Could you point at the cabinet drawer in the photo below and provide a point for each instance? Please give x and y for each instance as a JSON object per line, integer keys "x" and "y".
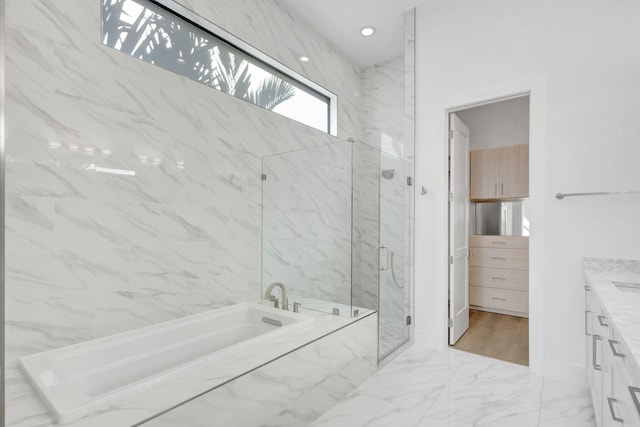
{"x": 499, "y": 242}
{"x": 499, "y": 258}
{"x": 621, "y": 356}
{"x": 515, "y": 280}
{"x": 501, "y": 299}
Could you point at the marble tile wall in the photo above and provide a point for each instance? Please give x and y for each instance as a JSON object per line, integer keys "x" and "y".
{"x": 366, "y": 206}
{"x": 307, "y": 222}
{"x": 291, "y": 391}
{"x": 320, "y": 223}
{"x": 91, "y": 254}
{"x": 409, "y": 153}
{"x": 385, "y": 127}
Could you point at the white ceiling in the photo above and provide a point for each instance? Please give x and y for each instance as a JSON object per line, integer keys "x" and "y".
{"x": 340, "y": 21}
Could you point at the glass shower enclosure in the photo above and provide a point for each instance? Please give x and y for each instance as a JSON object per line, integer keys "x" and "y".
{"x": 334, "y": 227}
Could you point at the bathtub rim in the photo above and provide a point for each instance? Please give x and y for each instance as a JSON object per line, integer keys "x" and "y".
{"x": 66, "y": 409}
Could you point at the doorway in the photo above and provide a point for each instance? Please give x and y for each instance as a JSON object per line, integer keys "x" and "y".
{"x": 489, "y": 229}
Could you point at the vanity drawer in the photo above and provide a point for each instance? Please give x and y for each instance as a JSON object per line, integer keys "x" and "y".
{"x": 499, "y": 242}
{"x": 501, "y": 299}
{"x": 620, "y": 354}
{"x": 515, "y": 280}
{"x": 499, "y": 258}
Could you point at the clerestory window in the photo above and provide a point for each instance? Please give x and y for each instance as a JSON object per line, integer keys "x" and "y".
{"x": 166, "y": 34}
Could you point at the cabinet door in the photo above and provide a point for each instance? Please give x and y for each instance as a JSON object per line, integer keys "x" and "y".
{"x": 618, "y": 406}
{"x": 599, "y": 362}
{"x": 485, "y": 174}
{"x": 514, "y": 171}
{"x": 588, "y": 332}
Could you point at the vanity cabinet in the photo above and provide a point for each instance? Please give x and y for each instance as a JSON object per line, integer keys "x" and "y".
{"x": 611, "y": 376}
{"x": 499, "y": 274}
{"x": 500, "y": 173}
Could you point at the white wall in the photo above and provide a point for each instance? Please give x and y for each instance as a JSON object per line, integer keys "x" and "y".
{"x": 498, "y": 124}
{"x": 581, "y": 61}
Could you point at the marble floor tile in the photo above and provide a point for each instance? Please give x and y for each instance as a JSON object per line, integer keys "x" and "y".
{"x": 427, "y": 388}
{"x": 504, "y": 379}
{"x": 461, "y": 405}
{"x": 365, "y": 410}
{"x": 568, "y": 400}
{"x": 551, "y": 419}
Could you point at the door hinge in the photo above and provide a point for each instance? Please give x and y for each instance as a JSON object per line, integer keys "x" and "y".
{"x": 450, "y": 197}
{"x": 451, "y": 323}
{"x": 408, "y": 320}
{"x": 451, "y": 134}
{"x": 264, "y": 176}
{"x": 450, "y": 259}
{"x": 409, "y": 181}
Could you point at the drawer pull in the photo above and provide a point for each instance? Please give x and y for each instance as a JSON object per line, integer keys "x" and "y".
{"x": 612, "y": 344}
{"x": 498, "y": 278}
{"x": 634, "y": 395}
{"x": 586, "y": 322}
{"x": 596, "y": 366}
{"x": 498, "y": 299}
{"x": 498, "y": 258}
{"x": 587, "y": 288}
{"x": 498, "y": 243}
{"x": 601, "y": 320}
{"x": 614, "y": 417}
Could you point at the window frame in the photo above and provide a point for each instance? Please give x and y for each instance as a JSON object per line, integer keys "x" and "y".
{"x": 270, "y": 64}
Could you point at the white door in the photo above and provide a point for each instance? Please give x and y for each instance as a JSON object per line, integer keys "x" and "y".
{"x": 458, "y": 229}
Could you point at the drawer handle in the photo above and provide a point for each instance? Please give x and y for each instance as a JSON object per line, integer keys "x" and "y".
{"x": 634, "y": 395}
{"x": 586, "y": 322}
{"x": 612, "y": 344}
{"x": 614, "y": 417}
{"x": 498, "y": 278}
{"x": 498, "y": 258}
{"x": 587, "y": 288}
{"x": 498, "y": 243}
{"x": 596, "y": 366}
{"x": 498, "y": 299}
{"x": 601, "y": 320}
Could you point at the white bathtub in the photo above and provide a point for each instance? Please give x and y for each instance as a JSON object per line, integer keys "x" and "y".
{"x": 83, "y": 378}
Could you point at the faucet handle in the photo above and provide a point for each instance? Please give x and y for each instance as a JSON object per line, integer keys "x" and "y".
{"x": 296, "y": 307}
{"x": 275, "y": 301}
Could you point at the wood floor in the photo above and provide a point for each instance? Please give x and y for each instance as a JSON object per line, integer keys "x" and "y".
{"x": 497, "y": 336}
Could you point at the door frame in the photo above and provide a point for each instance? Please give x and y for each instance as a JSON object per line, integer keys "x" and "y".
{"x": 536, "y": 90}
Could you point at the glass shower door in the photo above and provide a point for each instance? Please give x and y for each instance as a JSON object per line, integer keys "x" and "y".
{"x": 394, "y": 296}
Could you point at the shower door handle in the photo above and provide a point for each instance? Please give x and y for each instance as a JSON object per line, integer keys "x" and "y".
{"x": 380, "y": 249}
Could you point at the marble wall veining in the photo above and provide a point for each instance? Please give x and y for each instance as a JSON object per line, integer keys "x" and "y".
{"x": 174, "y": 228}
{"x": 366, "y": 225}
{"x": 291, "y": 391}
{"x": 2, "y": 204}
{"x": 384, "y": 105}
{"x": 306, "y": 214}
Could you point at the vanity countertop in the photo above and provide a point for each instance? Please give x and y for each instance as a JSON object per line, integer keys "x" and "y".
{"x": 622, "y": 306}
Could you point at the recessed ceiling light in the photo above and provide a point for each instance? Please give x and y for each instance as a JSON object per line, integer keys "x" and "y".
{"x": 304, "y": 59}
{"x": 368, "y": 31}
